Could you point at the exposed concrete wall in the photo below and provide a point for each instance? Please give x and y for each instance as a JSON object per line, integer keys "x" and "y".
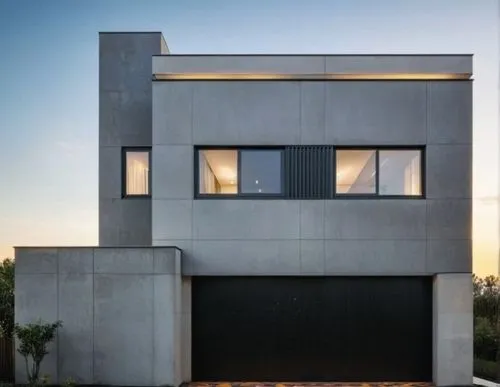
{"x": 122, "y": 309}
{"x": 124, "y": 121}
{"x": 322, "y": 237}
{"x": 313, "y": 64}
{"x": 453, "y": 327}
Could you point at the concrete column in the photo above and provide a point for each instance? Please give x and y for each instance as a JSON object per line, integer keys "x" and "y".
{"x": 186, "y": 329}
{"x": 168, "y": 319}
{"x": 453, "y": 330}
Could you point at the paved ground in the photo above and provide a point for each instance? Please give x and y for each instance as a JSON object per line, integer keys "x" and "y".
{"x": 257, "y": 384}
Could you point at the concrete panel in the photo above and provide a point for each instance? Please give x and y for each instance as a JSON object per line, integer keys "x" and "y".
{"x": 406, "y": 64}
{"x": 312, "y": 257}
{"x": 38, "y": 260}
{"x": 36, "y": 298}
{"x": 167, "y": 261}
{"x": 187, "y": 343}
{"x": 375, "y": 219}
{"x": 450, "y": 113}
{"x": 449, "y": 256}
{"x": 76, "y": 337}
{"x": 164, "y": 331}
{"x": 177, "y": 377}
{"x": 116, "y": 360}
{"x": 312, "y": 113}
{"x": 123, "y": 261}
{"x": 125, "y": 59}
{"x": 76, "y": 260}
{"x": 449, "y": 171}
{"x": 135, "y": 222}
{"x": 172, "y": 113}
{"x": 173, "y": 172}
{"x": 253, "y": 113}
{"x": 453, "y": 293}
{"x": 314, "y": 64}
{"x": 455, "y": 362}
{"x": 246, "y": 219}
{"x": 248, "y": 64}
{"x": 244, "y": 258}
{"x": 367, "y": 113}
{"x": 110, "y": 172}
{"x": 453, "y": 329}
{"x": 172, "y": 219}
{"x": 186, "y": 295}
{"x": 125, "y": 91}
{"x": 449, "y": 219}
{"x": 110, "y": 215}
{"x": 312, "y": 219}
{"x": 125, "y": 222}
{"x": 374, "y": 257}
{"x": 125, "y": 118}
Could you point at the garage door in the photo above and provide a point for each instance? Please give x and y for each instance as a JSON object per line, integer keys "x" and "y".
{"x": 312, "y": 329}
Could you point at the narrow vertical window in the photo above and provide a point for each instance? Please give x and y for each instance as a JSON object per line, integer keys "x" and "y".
{"x": 137, "y": 172}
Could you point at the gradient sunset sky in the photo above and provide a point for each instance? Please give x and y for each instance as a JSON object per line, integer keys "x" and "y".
{"x": 49, "y": 88}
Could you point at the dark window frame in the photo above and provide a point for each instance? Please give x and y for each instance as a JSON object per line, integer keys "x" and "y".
{"x": 238, "y": 194}
{"x": 126, "y": 150}
{"x": 333, "y": 195}
{"x": 377, "y": 195}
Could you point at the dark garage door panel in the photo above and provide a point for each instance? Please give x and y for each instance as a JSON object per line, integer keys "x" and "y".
{"x": 312, "y": 329}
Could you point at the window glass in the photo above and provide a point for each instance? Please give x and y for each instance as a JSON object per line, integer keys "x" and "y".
{"x": 356, "y": 172}
{"x": 400, "y": 172}
{"x": 261, "y": 171}
{"x": 137, "y": 173}
{"x": 218, "y": 171}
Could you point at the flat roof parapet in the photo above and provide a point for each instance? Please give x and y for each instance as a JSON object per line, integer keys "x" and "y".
{"x": 384, "y": 67}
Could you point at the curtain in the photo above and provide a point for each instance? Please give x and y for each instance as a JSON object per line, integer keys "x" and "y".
{"x": 137, "y": 173}
{"x": 208, "y": 182}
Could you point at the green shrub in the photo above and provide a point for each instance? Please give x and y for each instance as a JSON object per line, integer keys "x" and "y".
{"x": 485, "y": 369}
{"x": 33, "y": 340}
{"x": 6, "y": 298}
{"x": 485, "y": 339}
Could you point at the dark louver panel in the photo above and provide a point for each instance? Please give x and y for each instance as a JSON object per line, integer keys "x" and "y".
{"x": 308, "y": 172}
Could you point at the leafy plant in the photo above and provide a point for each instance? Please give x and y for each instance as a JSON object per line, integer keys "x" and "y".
{"x": 485, "y": 369}
{"x": 7, "y": 298}
{"x": 33, "y": 340}
{"x": 70, "y": 382}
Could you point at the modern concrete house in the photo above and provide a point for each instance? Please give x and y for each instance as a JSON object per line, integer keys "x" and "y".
{"x": 268, "y": 218}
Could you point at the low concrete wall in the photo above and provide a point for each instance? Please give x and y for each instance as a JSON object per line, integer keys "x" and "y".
{"x": 123, "y": 311}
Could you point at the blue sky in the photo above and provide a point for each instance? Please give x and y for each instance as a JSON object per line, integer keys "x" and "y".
{"x": 49, "y": 80}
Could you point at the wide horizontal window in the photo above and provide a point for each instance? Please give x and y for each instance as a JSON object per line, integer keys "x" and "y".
{"x": 299, "y": 172}
{"x": 378, "y": 172}
{"x": 136, "y": 172}
{"x": 240, "y": 172}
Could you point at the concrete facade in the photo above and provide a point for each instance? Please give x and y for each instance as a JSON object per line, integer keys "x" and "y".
{"x": 123, "y": 312}
{"x": 424, "y": 237}
{"x": 144, "y": 293}
{"x": 124, "y": 121}
{"x": 429, "y": 236}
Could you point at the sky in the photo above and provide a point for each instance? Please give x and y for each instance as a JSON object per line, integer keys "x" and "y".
{"x": 49, "y": 88}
